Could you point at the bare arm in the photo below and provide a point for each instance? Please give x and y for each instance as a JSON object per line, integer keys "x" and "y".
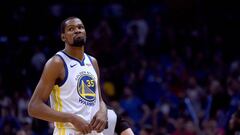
{"x": 102, "y": 103}
{"x": 128, "y": 131}
{"x": 100, "y": 120}
{"x": 37, "y": 107}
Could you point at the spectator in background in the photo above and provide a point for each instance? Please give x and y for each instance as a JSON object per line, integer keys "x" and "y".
{"x": 38, "y": 60}
{"x": 138, "y": 27}
{"x": 196, "y": 95}
{"x": 135, "y": 108}
{"x": 209, "y": 52}
{"x": 234, "y": 124}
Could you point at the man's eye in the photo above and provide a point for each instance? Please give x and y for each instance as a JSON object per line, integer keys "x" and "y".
{"x": 70, "y": 29}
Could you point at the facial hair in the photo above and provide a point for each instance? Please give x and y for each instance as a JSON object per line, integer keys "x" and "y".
{"x": 79, "y": 42}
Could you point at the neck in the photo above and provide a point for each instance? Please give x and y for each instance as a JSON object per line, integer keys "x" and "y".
{"x": 77, "y": 52}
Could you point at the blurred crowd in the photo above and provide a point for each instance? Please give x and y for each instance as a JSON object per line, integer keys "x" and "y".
{"x": 169, "y": 68}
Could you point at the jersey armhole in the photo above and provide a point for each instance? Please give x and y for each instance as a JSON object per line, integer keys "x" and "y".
{"x": 89, "y": 57}
{"x": 60, "y": 83}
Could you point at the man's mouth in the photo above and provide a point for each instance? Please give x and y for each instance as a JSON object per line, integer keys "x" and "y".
{"x": 79, "y": 35}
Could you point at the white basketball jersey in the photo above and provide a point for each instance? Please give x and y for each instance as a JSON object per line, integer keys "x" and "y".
{"x": 78, "y": 93}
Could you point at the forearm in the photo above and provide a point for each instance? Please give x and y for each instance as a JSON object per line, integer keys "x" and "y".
{"x": 103, "y": 106}
{"x": 42, "y": 111}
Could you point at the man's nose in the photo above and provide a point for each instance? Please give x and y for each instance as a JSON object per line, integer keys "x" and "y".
{"x": 77, "y": 31}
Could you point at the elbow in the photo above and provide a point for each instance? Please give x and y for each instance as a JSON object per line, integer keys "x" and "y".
{"x": 31, "y": 109}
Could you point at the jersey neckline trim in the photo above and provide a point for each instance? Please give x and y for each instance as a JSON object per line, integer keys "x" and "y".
{"x": 81, "y": 62}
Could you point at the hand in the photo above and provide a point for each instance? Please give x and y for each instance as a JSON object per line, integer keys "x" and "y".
{"x": 81, "y": 125}
{"x": 99, "y": 121}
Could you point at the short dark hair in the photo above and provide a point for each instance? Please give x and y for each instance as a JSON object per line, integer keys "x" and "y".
{"x": 63, "y": 24}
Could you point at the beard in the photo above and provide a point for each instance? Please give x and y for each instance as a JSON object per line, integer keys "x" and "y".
{"x": 79, "y": 42}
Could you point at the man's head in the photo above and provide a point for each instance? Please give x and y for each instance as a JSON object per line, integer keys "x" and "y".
{"x": 73, "y": 32}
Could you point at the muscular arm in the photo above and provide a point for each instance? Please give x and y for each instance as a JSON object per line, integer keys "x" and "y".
{"x": 37, "y": 107}
{"x": 53, "y": 70}
{"x": 99, "y": 122}
{"x": 102, "y": 103}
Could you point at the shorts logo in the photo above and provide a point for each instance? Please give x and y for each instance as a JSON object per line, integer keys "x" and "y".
{"x": 86, "y": 89}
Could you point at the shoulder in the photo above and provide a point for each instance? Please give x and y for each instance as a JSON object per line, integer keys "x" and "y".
{"x": 55, "y": 62}
{"x": 56, "y": 59}
{"x": 53, "y": 68}
{"x": 94, "y": 61}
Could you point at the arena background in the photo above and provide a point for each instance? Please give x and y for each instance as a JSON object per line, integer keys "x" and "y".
{"x": 168, "y": 66}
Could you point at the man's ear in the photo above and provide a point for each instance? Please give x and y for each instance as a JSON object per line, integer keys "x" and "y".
{"x": 63, "y": 37}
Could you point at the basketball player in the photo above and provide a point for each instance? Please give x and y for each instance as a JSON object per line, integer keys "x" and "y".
{"x": 71, "y": 80}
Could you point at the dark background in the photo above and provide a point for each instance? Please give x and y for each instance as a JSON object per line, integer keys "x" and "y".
{"x": 154, "y": 57}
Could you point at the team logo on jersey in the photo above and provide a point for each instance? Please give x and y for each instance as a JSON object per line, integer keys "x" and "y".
{"x": 87, "y": 89}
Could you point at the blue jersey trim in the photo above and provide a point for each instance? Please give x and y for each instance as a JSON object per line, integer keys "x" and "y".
{"x": 90, "y": 59}
{"x": 66, "y": 71}
{"x": 92, "y": 64}
{"x": 81, "y": 62}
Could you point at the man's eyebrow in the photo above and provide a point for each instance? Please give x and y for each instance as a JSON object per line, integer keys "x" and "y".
{"x": 80, "y": 25}
{"x": 71, "y": 25}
